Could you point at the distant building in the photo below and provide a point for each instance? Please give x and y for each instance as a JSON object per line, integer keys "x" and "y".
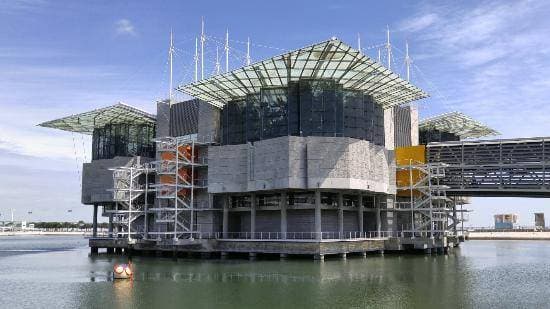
{"x": 506, "y": 221}
{"x": 539, "y": 220}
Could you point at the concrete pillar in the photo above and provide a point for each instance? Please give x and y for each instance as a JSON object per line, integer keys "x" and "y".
{"x": 110, "y": 225}
{"x": 378, "y": 219}
{"x": 94, "y": 250}
{"x": 340, "y": 215}
{"x": 225, "y": 218}
{"x": 283, "y": 205}
{"x": 360, "y": 210}
{"x": 253, "y": 215}
{"x": 94, "y": 224}
{"x": 318, "y": 214}
{"x": 110, "y": 250}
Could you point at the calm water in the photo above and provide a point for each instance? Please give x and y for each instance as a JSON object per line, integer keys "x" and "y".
{"x": 56, "y": 272}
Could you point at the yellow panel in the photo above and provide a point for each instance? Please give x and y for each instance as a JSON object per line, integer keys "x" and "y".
{"x": 404, "y": 155}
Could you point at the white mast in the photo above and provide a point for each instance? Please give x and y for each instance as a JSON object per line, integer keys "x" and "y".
{"x": 408, "y": 61}
{"x": 171, "y": 55}
{"x": 388, "y": 47}
{"x": 248, "y": 51}
{"x": 226, "y": 47}
{"x": 379, "y": 55}
{"x": 217, "y": 62}
{"x": 202, "y": 48}
{"x": 359, "y": 43}
{"x": 196, "y": 59}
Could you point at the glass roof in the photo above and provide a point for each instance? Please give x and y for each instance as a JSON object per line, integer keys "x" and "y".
{"x": 98, "y": 118}
{"x": 457, "y": 123}
{"x": 331, "y": 59}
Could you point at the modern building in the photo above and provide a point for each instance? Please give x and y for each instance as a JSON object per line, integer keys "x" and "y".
{"x": 315, "y": 151}
{"x": 540, "y": 224}
{"x": 506, "y": 221}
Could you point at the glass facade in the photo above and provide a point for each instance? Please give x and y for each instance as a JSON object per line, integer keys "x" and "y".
{"x": 434, "y": 135}
{"x": 303, "y": 108}
{"x": 123, "y": 140}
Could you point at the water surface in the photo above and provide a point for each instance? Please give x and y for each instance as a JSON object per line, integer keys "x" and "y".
{"x": 57, "y": 272}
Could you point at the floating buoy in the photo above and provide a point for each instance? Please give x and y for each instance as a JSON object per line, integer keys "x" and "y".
{"x": 123, "y": 271}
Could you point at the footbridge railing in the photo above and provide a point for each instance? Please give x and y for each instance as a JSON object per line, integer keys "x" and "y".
{"x": 501, "y": 167}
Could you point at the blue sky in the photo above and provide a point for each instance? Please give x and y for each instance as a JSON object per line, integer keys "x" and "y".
{"x": 489, "y": 59}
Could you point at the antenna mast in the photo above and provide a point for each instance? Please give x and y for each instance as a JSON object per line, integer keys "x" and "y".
{"x": 408, "y": 61}
{"x": 226, "y": 47}
{"x": 171, "y": 55}
{"x": 217, "y": 62}
{"x": 388, "y": 46}
{"x": 202, "y": 47}
{"x": 248, "y": 51}
{"x": 196, "y": 59}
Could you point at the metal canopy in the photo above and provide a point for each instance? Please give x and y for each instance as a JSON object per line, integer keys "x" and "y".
{"x": 98, "y": 118}
{"x": 330, "y": 59}
{"x": 457, "y": 123}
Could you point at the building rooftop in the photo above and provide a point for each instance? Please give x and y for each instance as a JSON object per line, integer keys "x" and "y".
{"x": 97, "y": 118}
{"x": 459, "y": 124}
{"x": 331, "y": 59}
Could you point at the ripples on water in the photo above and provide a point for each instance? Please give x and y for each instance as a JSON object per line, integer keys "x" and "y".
{"x": 57, "y": 272}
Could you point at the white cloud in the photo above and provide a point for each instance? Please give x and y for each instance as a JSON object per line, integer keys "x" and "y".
{"x": 418, "y": 23}
{"x": 125, "y": 27}
{"x": 489, "y": 61}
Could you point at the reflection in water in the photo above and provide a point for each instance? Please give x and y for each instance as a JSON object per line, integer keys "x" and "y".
{"x": 482, "y": 274}
{"x": 123, "y": 291}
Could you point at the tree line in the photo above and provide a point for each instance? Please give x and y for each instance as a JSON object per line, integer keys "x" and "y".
{"x": 67, "y": 225}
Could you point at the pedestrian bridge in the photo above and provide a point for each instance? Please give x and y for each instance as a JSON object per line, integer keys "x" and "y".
{"x": 500, "y": 167}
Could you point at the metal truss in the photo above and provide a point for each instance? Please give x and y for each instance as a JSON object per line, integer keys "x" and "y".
{"x": 130, "y": 194}
{"x": 176, "y": 184}
{"x": 494, "y": 167}
{"x": 424, "y": 198}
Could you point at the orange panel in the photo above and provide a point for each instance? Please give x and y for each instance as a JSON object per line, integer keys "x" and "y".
{"x": 404, "y": 155}
{"x": 167, "y": 179}
{"x": 168, "y": 156}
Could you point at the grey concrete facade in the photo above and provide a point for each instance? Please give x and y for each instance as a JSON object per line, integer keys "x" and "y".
{"x": 293, "y": 162}
{"x": 97, "y": 179}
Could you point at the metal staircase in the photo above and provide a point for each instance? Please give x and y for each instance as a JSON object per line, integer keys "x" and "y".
{"x": 432, "y": 213}
{"x": 176, "y": 184}
{"x": 130, "y": 194}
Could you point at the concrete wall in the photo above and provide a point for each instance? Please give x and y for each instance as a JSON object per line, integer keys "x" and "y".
{"x": 414, "y": 125}
{"x": 389, "y": 129}
{"x": 97, "y": 179}
{"x": 293, "y": 162}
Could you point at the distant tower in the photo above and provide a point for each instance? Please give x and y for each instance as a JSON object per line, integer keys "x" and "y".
{"x": 226, "y": 47}
{"x": 203, "y": 39}
{"x": 379, "y": 55}
{"x": 359, "y": 43}
{"x": 388, "y": 46}
{"x": 248, "y": 51}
